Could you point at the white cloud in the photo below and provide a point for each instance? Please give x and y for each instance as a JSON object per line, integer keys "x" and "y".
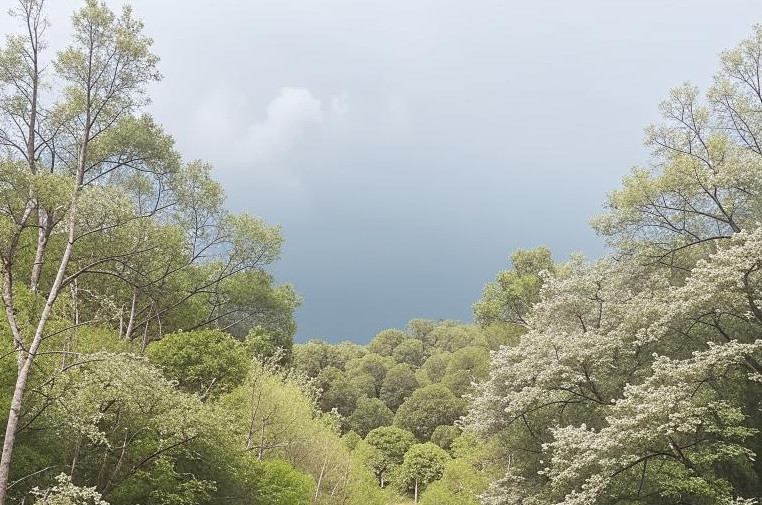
{"x": 288, "y": 118}
{"x": 227, "y": 117}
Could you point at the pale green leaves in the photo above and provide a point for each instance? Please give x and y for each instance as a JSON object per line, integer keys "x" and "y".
{"x": 508, "y": 298}
{"x": 107, "y": 66}
{"x": 422, "y": 465}
{"x": 708, "y": 164}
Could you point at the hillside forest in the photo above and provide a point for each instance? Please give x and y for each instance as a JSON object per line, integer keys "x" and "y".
{"x": 148, "y": 354}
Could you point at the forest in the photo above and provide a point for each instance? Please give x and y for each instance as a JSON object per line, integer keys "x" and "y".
{"x": 148, "y": 352}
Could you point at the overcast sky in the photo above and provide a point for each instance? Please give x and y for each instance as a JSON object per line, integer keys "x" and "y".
{"x": 408, "y": 146}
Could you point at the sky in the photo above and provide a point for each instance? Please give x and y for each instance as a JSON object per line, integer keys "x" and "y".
{"x": 406, "y": 147}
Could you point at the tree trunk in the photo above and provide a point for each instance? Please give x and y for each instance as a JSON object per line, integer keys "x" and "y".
{"x": 26, "y": 365}
{"x": 131, "y": 320}
{"x": 12, "y": 426}
{"x": 416, "y": 491}
{"x": 43, "y": 235}
{"x": 261, "y": 452}
{"x": 320, "y": 477}
{"x": 28, "y": 357}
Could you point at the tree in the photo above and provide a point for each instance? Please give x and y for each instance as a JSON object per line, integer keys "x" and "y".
{"x": 312, "y": 357}
{"x": 273, "y": 415}
{"x": 282, "y": 484}
{"x": 445, "y": 435}
{"x": 409, "y": 351}
{"x": 385, "y": 342}
{"x": 315, "y": 355}
{"x": 434, "y": 367}
{"x": 705, "y": 186}
{"x": 267, "y": 345}
{"x": 118, "y": 400}
{"x": 422, "y": 465}
{"x": 452, "y": 335}
{"x": 207, "y": 362}
{"x": 459, "y": 484}
{"x": 388, "y": 445}
{"x": 467, "y": 475}
{"x": 509, "y": 297}
{"x": 399, "y": 383}
{"x": 419, "y": 328}
{"x": 337, "y": 391}
{"x": 368, "y": 372}
{"x": 64, "y": 492}
{"x": 638, "y": 377}
{"x": 427, "y": 408}
{"x": 466, "y": 366}
{"x": 105, "y": 72}
{"x": 98, "y": 213}
{"x": 584, "y": 344}
{"x": 369, "y": 414}
{"x": 346, "y": 352}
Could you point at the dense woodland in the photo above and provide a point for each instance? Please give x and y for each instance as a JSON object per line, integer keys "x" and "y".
{"x": 148, "y": 355}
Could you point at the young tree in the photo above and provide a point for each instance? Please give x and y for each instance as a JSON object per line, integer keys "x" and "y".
{"x": 337, "y": 391}
{"x": 409, "y": 351}
{"x": 466, "y": 366}
{"x": 422, "y": 465}
{"x": 386, "y": 341}
{"x": 460, "y": 484}
{"x": 368, "y": 372}
{"x": 388, "y": 445}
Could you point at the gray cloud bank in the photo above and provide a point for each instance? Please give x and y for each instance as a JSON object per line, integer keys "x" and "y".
{"x": 408, "y": 146}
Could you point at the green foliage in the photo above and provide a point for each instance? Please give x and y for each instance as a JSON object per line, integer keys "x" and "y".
{"x": 337, "y": 391}
{"x": 362, "y": 488}
{"x": 460, "y": 484}
{"x": 434, "y": 368}
{"x": 638, "y": 377}
{"x": 386, "y": 341}
{"x": 410, "y": 351}
{"x": 466, "y": 366}
{"x": 445, "y": 435}
{"x": 399, "y": 383}
{"x": 421, "y": 465}
{"x": 635, "y": 378}
{"x": 313, "y": 356}
{"x": 351, "y": 439}
{"x": 208, "y": 362}
{"x": 281, "y": 483}
{"x": 369, "y": 372}
{"x": 384, "y": 450}
{"x": 369, "y": 414}
{"x": 451, "y": 336}
{"x": 427, "y": 408}
{"x": 510, "y": 296}
{"x": 268, "y": 345}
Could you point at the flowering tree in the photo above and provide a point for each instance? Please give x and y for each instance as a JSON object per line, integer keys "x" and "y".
{"x": 638, "y": 378}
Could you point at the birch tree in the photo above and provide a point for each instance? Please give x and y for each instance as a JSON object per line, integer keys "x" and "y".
{"x": 97, "y": 207}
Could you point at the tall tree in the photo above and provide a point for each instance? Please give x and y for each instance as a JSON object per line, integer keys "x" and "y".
{"x": 94, "y": 189}
{"x": 638, "y": 377}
